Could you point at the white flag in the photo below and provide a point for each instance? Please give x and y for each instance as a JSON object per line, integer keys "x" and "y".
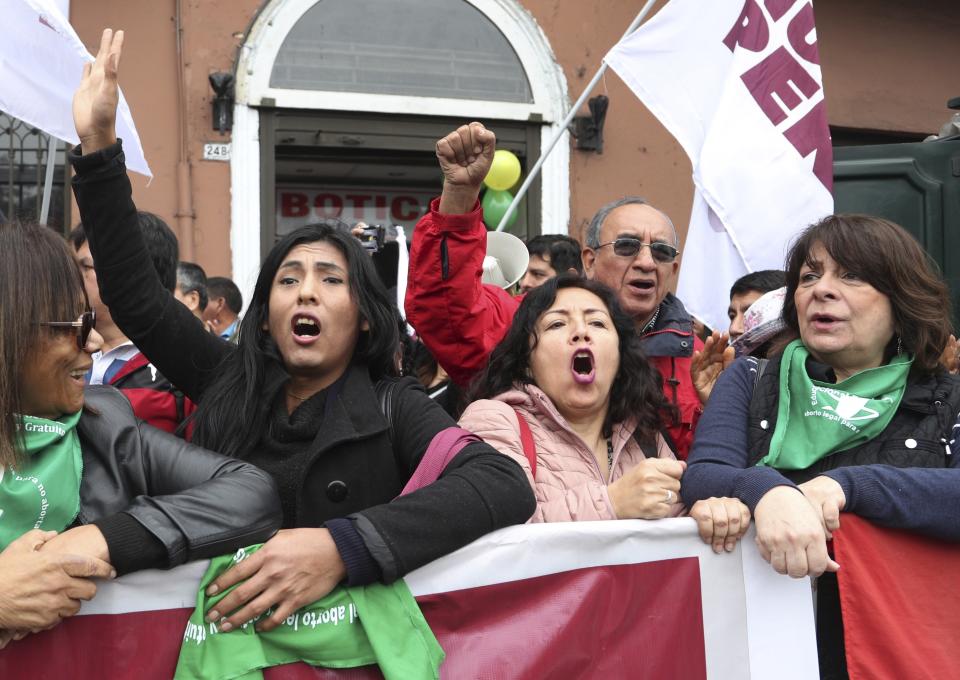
{"x": 738, "y": 83}
{"x": 41, "y": 62}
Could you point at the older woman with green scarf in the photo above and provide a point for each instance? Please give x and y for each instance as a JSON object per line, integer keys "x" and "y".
{"x": 856, "y": 414}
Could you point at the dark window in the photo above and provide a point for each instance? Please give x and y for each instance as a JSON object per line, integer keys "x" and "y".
{"x": 375, "y": 168}
{"x": 23, "y": 165}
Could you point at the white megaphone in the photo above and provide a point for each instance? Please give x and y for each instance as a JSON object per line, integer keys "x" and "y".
{"x": 506, "y": 260}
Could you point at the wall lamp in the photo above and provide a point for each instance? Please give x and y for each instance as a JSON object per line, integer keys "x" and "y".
{"x": 588, "y": 130}
{"x": 222, "y": 104}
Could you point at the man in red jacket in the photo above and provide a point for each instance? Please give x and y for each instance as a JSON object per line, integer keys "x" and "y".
{"x": 630, "y": 246}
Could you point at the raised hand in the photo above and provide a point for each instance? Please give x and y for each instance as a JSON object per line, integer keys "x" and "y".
{"x": 95, "y": 101}
{"x": 40, "y": 587}
{"x": 721, "y": 522}
{"x": 465, "y": 156}
{"x": 708, "y": 364}
{"x": 651, "y": 490}
{"x": 950, "y": 358}
{"x": 790, "y": 535}
{"x": 292, "y": 569}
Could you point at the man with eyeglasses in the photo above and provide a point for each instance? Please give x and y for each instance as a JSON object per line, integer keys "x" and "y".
{"x": 630, "y": 246}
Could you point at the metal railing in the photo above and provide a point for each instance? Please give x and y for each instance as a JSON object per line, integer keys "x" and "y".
{"x": 24, "y": 152}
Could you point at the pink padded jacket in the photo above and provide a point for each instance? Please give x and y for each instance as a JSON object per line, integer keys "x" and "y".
{"x": 568, "y": 483}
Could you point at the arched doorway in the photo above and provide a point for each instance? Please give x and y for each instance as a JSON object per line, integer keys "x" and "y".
{"x": 338, "y": 104}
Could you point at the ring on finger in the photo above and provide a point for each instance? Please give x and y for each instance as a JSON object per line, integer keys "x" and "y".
{"x": 669, "y": 497}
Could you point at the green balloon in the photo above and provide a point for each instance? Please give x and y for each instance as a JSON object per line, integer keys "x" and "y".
{"x": 495, "y": 204}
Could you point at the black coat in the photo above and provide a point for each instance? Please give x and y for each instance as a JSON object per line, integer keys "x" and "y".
{"x": 160, "y": 501}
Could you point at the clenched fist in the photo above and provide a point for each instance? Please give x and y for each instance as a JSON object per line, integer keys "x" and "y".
{"x": 465, "y": 156}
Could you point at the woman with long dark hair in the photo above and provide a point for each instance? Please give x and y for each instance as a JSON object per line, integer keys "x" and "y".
{"x": 309, "y": 394}
{"x": 107, "y": 491}
{"x": 571, "y": 372}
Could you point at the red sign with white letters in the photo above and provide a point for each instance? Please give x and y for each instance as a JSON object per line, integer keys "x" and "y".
{"x": 299, "y": 205}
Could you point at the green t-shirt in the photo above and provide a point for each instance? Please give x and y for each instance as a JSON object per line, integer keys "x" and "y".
{"x": 375, "y": 624}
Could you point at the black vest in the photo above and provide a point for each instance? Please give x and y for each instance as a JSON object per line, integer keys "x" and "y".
{"x": 917, "y": 436}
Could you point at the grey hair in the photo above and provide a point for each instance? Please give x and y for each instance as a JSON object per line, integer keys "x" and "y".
{"x": 592, "y": 235}
{"x": 191, "y": 277}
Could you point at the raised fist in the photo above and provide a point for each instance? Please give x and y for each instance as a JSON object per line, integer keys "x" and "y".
{"x": 465, "y": 156}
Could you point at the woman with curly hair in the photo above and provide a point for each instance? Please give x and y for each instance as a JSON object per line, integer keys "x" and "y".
{"x": 570, "y": 372}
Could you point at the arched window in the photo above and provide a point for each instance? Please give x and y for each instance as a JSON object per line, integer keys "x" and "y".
{"x": 431, "y": 48}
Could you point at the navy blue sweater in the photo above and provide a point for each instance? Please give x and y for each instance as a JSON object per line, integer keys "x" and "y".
{"x": 926, "y": 500}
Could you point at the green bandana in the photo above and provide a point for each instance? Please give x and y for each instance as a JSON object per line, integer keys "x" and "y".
{"x": 45, "y": 493}
{"x": 816, "y": 419}
{"x": 350, "y": 627}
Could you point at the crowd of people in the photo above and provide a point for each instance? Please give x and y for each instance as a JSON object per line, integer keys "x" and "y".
{"x": 589, "y": 395}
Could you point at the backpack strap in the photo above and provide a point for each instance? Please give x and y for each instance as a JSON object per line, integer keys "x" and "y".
{"x": 649, "y": 447}
{"x": 526, "y": 439}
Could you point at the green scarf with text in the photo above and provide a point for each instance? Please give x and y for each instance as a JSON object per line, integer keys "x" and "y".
{"x": 816, "y": 419}
{"x": 45, "y": 492}
{"x": 359, "y": 626}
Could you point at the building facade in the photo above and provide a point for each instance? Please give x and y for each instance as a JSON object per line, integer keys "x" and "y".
{"x": 336, "y": 105}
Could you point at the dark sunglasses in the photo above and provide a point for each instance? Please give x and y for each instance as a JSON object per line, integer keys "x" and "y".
{"x": 85, "y": 324}
{"x": 629, "y": 247}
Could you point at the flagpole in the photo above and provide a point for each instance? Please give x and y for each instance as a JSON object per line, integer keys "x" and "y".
{"x": 562, "y": 128}
{"x": 48, "y": 182}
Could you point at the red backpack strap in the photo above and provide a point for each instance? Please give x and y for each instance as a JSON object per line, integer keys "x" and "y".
{"x": 526, "y": 439}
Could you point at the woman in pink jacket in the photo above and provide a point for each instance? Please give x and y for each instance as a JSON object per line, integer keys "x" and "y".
{"x": 570, "y": 372}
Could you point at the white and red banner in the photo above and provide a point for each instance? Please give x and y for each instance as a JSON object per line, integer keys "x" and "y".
{"x": 41, "y": 63}
{"x": 738, "y": 83}
{"x": 627, "y": 599}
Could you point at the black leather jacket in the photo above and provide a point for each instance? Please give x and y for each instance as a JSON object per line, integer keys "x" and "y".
{"x": 160, "y": 501}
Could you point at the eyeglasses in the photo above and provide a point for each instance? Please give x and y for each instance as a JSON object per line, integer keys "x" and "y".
{"x": 85, "y": 324}
{"x": 629, "y": 247}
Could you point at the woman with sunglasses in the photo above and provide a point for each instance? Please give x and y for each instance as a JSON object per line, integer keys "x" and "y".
{"x": 123, "y": 495}
{"x": 309, "y": 393}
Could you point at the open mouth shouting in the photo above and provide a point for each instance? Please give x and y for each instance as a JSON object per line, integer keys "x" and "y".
{"x": 583, "y": 367}
{"x": 305, "y": 327}
{"x": 643, "y": 286}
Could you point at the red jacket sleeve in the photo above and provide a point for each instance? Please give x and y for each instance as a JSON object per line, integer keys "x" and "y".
{"x": 458, "y": 318}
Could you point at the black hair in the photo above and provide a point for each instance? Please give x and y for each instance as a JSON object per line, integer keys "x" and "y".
{"x": 637, "y": 388}
{"x": 563, "y": 252}
{"x": 233, "y": 412}
{"x": 191, "y": 278}
{"x": 221, "y": 286}
{"x": 762, "y": 281}
{"x": 161, "y": 243}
